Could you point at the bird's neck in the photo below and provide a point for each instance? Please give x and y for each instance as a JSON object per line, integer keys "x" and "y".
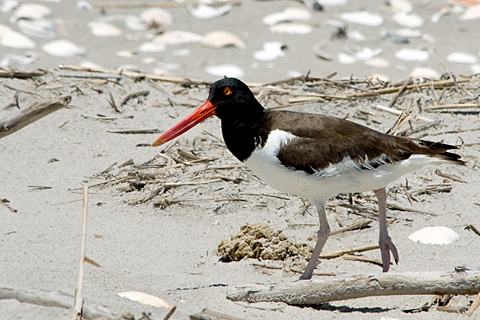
{"x": 241, "y": 132}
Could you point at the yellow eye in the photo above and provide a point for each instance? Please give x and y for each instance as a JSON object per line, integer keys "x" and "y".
{"x": 227, "y": 91}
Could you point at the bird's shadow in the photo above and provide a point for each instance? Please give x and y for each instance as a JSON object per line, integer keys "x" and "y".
{"x": 345, "y": 309}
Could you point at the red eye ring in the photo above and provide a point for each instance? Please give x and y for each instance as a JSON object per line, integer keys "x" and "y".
{"x": 227, "y": 91}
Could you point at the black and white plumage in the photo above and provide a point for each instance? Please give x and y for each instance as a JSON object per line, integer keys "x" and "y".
{"x": 313, "y": 156}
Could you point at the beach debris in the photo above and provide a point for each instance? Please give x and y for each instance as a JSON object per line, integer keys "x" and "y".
{"x": 462, "y": 57}
{"x": 206, "y": 12}
{"x": 13, "y": 39}
{"x": 363, "y": 17}
{"x": 271, "y": 51}
{"x": 434, "y": 235}
{"x": 407, "y": 54}
{"x": 408, "y": 19}
{"x": 103, "y": 29}
{"x": 291, "y": 28}
{"x": 221, "y": 39}
{"x": 229, "y": 70}
{"x": 258, "y": 240}
{"x": 145, "y": 298}
{"x": 62, "y": 48}
{"x": 287, "y": 15}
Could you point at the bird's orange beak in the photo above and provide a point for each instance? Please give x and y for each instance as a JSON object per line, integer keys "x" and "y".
{"x": 205, "y": 111}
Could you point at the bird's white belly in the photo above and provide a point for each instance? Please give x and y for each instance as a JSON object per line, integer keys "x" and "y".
{"x": 344, "y": 177}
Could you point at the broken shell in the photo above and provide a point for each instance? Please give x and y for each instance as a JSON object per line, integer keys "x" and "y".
{"x": 135, "y": 23}
{"x": 145, "y": 298}
{"x": 228, "y": 70}
{"x": 271, "y": 51}
{"x": 13, "y": 39}
{"x": 434, "y": 235}
{"x": 206, "y": 12}
{"x": 103, "y": 29}
{"x": 156, "y": 17}
{"x": 363, "y": 17}
{"x": 177, "y": 37}
{"x": 291, "y": 28}
{"x": 406, "y": 54}
{"x": 220, "y": 39}
{"x": 409, "y": 20}
{"x": 462, "y": 57}
{"x": 289, "y": 14}
{"x": 62, "y": 48}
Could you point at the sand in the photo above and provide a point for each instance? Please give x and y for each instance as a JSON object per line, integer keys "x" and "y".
{"x": 170, "y": 250}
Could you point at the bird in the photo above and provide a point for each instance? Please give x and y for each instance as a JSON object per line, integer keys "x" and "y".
{"x": 313, "y": 156}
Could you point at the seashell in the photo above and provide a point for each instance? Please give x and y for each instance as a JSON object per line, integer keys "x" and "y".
{"x": 62, "y": 48}
{"x": 37, "y": 27}
{"x": 177, "y": 37}
{"x": 13, "y": 39}
{"x": 346, "y": 58}
{"x": 323, "y": 56}
{"x": 475, "y": 68}
{"x": 289, "y": 14}
{"x": 408, "y": 33}
{"x": 30, "y": 11}
{"x": 406, "y": 54}
{"x": 90, "y": 65}
{"x": 377, "y": 63}
{"x": 18, "y": 59}
{"x": 332, "y": 2}
{"x": 400, "y": 6}
{"x": 152, "y": 47}
{"x": 291, "y": 28}
{"x": 103, "y": 29}
{"x": 125, "y": 53}
{"x": 271, "y": 51}
{"x": 367, "y": 53}
{"x": 363, "y": 17}
{"x": 443, "y": 12}
{"x": 409, "y": 20}
{"x": 145, "y": 298}
{"x": 423, "y": 72}
{"x": 156, "y": 17}
{"x": 221, "y": 39}
{"x": 462, "y": 57}
{"x": 434, "y": 235}
{"x": 84, "y": 5}
{"x": 228, "y": 70}
{"x": 471, "y": 13}
{"x": 8, "y": 5}
{"x": 205, "y": 12}
{"x": 294, "y": 74}
{"x": 135, "y": 23}
{"x": 355, "y": 35}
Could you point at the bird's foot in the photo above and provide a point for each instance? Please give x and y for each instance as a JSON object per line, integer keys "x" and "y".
{"x": 387, "y": 246}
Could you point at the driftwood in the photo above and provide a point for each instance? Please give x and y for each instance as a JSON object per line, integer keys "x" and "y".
{"x": 55, "y": 299}
{"x": 313, "y": 292}
{"x": 31, "y": 114}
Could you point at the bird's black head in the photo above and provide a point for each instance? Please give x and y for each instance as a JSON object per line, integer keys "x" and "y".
{"x": 233, "y": 99}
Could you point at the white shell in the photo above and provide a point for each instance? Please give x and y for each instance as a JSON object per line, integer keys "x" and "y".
{"x": 355, "y": 35}
{"x": 177, "y": 37}
{"x": 409, "y": 20}
{"x": 8, "y": 5}
{"x": 228, "y": 70}
{"x": 475, "y": 68}
{"x": 220, "y": 39}
{"x": 471, "y": 13}
{"x": 135, "y": 23}
{"x": 423, "y": 72}
{"x": 366, "y": 53}
{"x": 408, "y": 33}
{"x": 346, "y": 58}
{"x": 30, "y": 11}
{"x": 406, "y": 54}
{"x": 37, "y": 27}
{"x": 145, "y": 298}
{"x": 434, "y": 235}
{"x": 152, "y": 47}
{"x": 289, "y": 14}
{"x": 62, "y": 48}
{"x": 124, "y": 53}
{"x": 206, "y": 12}
{"x": 462, "y": 57}
{"x": 332, "y": 2}
{"x": 13, "y": 39}
{"x": 156, "y": 16}
{"x": 84, "y": 5}
{"x": 400, "y": 5}
{"x": 17, "y": 59}
{"x": 377, "y": 63}
{"x": 90, "y": 65}
{"x": 291, "y": 28}
{"x": 103, "y": 29}
{"x": 271, "y": 51}
{"x": 363, "y": 17}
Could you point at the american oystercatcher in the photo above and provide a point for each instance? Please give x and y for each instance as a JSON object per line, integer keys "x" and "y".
{"x": 311, "y": 155}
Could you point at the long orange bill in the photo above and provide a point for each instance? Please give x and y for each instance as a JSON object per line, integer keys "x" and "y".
{"x": 202, "y": 113}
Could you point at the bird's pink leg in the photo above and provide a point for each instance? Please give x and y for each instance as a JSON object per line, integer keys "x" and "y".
{"x": 322, "y": 236}
{"x": 385, "y": 242}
